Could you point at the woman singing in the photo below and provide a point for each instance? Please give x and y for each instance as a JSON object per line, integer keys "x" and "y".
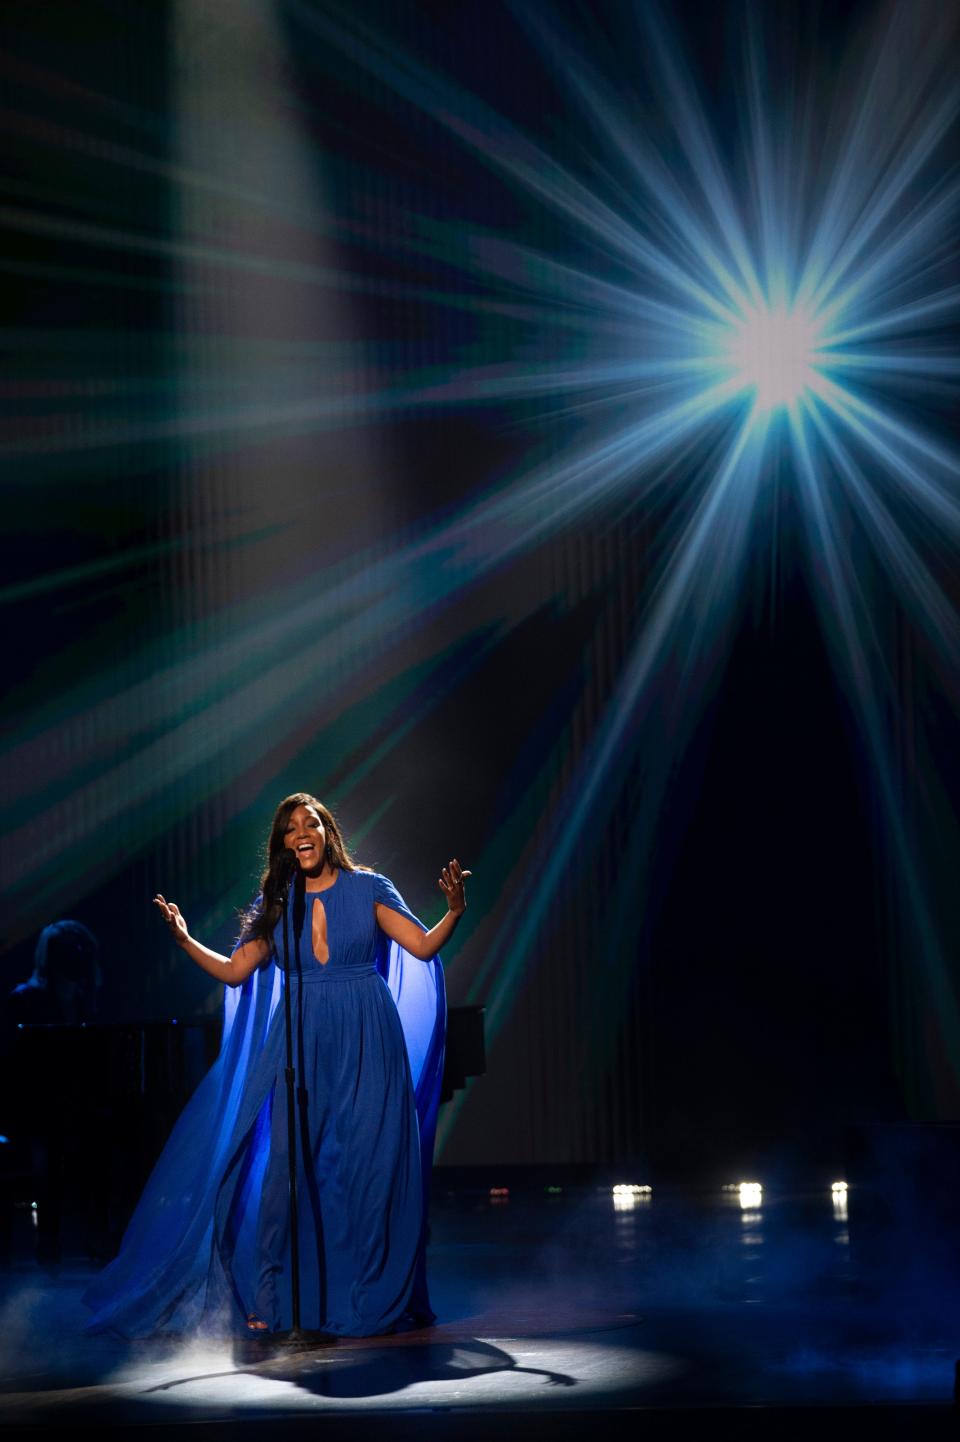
{"x": 209, "y": 1243}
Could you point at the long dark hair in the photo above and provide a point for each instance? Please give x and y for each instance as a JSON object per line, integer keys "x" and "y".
{"x": 260, "y": 919}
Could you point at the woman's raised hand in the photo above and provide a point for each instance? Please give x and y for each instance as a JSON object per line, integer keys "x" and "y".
{"x": 170, "y": 912}
{"x": 451, "y": 882}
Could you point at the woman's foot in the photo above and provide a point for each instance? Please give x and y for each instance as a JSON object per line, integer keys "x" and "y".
{"x": 255, "y": 1323}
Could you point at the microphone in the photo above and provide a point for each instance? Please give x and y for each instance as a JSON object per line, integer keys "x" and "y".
{"x": 289, "y": 870}
{"x": 286, "y": 867}
{"x": 299, "y": 900}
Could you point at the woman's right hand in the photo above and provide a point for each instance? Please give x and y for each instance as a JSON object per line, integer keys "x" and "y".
{"x": 175, "y": 922}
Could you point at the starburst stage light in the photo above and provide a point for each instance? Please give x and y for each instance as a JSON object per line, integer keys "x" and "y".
{"x": 773, "y": 352}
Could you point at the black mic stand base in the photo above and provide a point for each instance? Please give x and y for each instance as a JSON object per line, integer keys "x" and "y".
{"x": 297, "y": 1339}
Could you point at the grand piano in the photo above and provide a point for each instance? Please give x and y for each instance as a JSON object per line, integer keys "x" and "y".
{"x": 85, "y": 1111}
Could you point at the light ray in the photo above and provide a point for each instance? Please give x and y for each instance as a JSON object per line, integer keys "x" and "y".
{"x": 849, "y": 628}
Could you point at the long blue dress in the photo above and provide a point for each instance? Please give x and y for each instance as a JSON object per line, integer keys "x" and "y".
{"x": 209, "y": 1241}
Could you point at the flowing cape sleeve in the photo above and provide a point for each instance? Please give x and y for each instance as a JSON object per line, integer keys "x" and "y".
{"x": 418, "y": 989}
{"x": 162, "y": 1278}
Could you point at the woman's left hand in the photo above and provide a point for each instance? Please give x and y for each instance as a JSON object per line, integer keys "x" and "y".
{"x": 451, "y": 882}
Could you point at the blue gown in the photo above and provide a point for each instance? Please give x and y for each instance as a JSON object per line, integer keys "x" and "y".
{"x": 209, "y": 1240}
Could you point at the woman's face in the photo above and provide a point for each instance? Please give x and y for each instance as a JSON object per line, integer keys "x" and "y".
{"x": 306, "y": 837}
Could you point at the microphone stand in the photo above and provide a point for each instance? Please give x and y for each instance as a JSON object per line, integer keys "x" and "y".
{"x": 296, "y": 1337}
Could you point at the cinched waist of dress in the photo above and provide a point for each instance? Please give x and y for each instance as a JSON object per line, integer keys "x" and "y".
{"x": 311, "y": 972}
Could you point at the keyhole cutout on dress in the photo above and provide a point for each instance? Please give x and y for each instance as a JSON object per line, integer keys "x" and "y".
{"x": 321, "y": 950}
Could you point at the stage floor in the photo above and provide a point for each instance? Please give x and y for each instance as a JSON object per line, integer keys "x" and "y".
{"x": 559, "y": 1310}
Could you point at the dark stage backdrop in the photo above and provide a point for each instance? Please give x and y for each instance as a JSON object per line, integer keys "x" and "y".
{"x": 360, "y": 440}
